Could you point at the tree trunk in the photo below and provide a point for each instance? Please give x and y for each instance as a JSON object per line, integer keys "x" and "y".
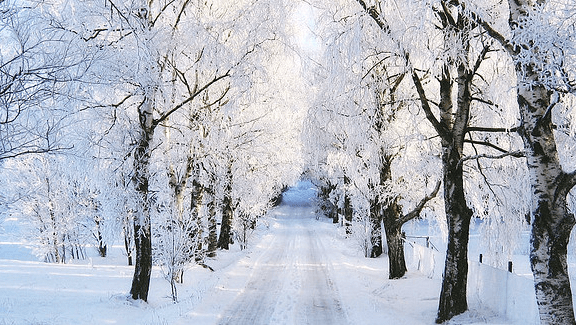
{"x": 102, "y": 247}
{"x": 212, "y": 227}
{"x": 226, "y": 227}
{"x": 348, "y": 210}
{"x": 128, "y": 229}
{"x": 142, "y": 224}
{"x": 143, "y": 267}
{"x": 453, "y": 293}
{"x": 225, "y": 237}
{"x": 348, "y": 214}
{"x": 394, "y": 240}
{"x": 552, "y": 220}
{"x": 197, "y": 234}
{"x": 376, "y": 228}
{"x": 128, "y": 249}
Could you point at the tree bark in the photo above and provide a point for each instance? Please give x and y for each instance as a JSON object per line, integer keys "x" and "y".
{"x": 393, "y": 228}
{"x": 348, "y": 209}
{"x": 142, "y": 224}
{"x": 376, "y": 228}
{"x": 197, "y": 234}
{"x": 212, "y": 227}
{"x": 102, "y": 247}
{"x": 552, "y": 221}
{"x": 453, "y": 294}
{"x": 128, "y": 233}
{"x": 225, "y": 237}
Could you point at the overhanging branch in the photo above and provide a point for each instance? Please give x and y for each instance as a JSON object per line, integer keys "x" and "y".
{"x": 426, "y": 106}
{"x": 416, "y": 212}
{"x": 190, "y": 98}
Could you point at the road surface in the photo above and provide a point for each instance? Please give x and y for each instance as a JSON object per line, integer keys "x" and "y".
{"x": 291, "y": 280}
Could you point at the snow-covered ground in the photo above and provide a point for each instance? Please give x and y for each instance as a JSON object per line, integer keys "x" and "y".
{"x": 297, "y": 270}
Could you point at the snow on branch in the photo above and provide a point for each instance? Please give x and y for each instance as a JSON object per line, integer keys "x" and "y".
{"x": 516, "y": 154}
{"x": 416, "y": 212}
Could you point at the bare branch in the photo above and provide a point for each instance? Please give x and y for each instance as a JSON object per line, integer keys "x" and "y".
{"x": 190, "y": 98}
{"x": 9, "y": 155}
{"x": 516, "y": 154}
{"x": 416, "y": 212}
{"x": 488, "y": 129}
{"x": 481, "y": 57}
{"x": 487, "y": 144}
{"x": 426, "y": 106}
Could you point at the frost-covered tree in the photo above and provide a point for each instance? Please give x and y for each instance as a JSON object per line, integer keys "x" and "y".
{"x": 164, "y": 56}
{"x": 354, "y": 135}
{"x": 535, "y": 35}
{"x": 62, "y": 208}
{"x": 37, "y": 66}
{"x": 455, "y": 54}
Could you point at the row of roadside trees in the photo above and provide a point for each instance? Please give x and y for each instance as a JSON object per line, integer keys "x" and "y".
{"x": 477, "y": 96}
{"x": 153, "y": 122}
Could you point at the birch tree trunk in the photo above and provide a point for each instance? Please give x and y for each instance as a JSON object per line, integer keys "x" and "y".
{"x": 197, "y": 234}
{"x": 376, "y": 232}
{"x": 212, "y": 226}
{"x": 452, "y": 127}
{"x": 552, "y": 220}
{"x": 348, "y": 209}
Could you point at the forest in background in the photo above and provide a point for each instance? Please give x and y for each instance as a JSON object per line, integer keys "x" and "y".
{"x": 173, "y": 126}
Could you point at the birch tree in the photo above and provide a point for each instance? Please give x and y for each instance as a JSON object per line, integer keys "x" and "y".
{"x": 541, "y": 49}
{"x": 459, "y": 55}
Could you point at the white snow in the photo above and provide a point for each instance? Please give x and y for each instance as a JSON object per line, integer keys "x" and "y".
{"x": 296, "y": 270}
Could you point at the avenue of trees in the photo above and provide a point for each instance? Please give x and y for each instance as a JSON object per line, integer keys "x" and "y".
{"x": 173, "y": 126}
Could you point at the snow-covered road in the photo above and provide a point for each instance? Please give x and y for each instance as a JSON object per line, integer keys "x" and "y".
{"x": 291, "y": 282}
{"x": 302, "y": 270}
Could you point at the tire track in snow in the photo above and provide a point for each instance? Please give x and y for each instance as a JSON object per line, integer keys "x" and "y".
{"x": 320, "y": 299}
{"x": 255, "y": 305}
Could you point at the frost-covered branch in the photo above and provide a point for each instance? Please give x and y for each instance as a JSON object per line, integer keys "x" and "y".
{"x": 516, "y": 154}
{"x": 167, "y": 114}
{"x": 495, "y": 34}
{"x": 441, "y": 129}
{"x": 416, "y": 211}
{"x": 376, "y": 16}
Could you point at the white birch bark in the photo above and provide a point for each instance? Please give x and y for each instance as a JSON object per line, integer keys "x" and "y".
{"x": 552, "y": 221}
